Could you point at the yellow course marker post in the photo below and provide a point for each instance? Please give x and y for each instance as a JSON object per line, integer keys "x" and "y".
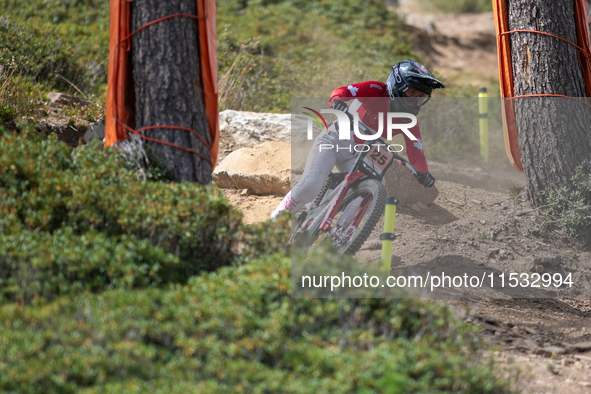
{"x": 483, "y": 122}
{"x": 388, "y": 236}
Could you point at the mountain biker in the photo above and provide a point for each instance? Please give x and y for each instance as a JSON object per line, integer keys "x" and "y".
{"x": 408, "y": 88}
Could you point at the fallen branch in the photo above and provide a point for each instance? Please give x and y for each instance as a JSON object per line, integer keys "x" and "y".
{"x": 74, "y": 86}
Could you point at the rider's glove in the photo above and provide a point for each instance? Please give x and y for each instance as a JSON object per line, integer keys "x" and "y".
{"x": 426, "y": 179}
{"x": 339, "y": 105}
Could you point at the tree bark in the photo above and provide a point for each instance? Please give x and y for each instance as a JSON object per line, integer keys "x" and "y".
{"x": 168, "y": 87}
{"x": 554, "y": 133}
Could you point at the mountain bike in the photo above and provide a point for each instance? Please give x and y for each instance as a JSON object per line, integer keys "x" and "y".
{"x": 350, "y": 204}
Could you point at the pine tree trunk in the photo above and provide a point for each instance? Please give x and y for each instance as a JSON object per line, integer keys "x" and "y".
{"x": 168, "y": 88}
{"x": 554, "y": 133}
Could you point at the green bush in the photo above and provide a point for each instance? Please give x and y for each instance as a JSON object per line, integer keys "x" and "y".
{"x": 238, "y": 331}
{"x": 572, "y": 207}
{"x": 33, "y": 60}
{"x": 461, "y": 6}
{"x": 78, "y": 29}
{"x": 36, "y": 52}
{"x": 42, "y": 265}
{"x": 54, "y": 199}
{"x": 266, "y": 238}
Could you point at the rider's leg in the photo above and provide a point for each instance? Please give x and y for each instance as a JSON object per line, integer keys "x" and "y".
{"x": 319, "y": 164}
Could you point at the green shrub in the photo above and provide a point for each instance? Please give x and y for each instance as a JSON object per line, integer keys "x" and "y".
{"x": 43, "y": 265}
{"x": 573, "y": 207}
{"x": 37, "y": 52}
{"x": 53, "y": 194}
{"x": 238, "y": 330}
{"x": 266, "y": 238}
{"x": 461, "y": 6}
{"x": 76, "y": 28}
{"x": 7, "y": 113}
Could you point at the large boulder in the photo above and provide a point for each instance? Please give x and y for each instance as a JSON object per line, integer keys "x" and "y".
{"x": 400, "y": 183}
{"x": 249, "y": 129}
{"x": 263, "y": 169}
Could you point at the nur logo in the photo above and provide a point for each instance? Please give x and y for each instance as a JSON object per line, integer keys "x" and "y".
{"x": 316, "y": 119}
{"x": 345, "y": 124}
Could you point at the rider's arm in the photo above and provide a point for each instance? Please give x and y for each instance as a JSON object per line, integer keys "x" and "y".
{"x": 414, "y": 150}
{"x": 362, "y": 89}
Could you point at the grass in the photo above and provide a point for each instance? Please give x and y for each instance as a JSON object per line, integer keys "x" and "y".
{"x": 514, "y": 190}
{"x": 460, "y": 6}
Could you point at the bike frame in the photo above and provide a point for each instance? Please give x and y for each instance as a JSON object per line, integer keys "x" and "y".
{"x": 375, "y": 167}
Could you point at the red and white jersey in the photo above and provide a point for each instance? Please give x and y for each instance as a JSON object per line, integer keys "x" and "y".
{"x": 374, "y": 99}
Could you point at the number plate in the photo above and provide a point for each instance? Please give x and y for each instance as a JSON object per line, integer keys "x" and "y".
{"x": 378, "y": 158}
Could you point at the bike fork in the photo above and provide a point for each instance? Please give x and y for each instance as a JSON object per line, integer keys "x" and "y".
{"x": 333, "y": 208}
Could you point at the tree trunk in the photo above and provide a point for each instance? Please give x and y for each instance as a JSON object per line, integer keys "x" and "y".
{"x": 554, "y": 133}
{"x": 168, "y": 87}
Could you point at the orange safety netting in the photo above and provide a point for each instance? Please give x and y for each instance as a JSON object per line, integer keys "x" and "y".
{"x": 120, "y": 117}
{"x": 506, "y": 69}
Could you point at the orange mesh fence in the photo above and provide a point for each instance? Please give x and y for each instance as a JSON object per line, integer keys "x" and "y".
{"x": 120, "y": 117}
{"x": 506, "y": 70}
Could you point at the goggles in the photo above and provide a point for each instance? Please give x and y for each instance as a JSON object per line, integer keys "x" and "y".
{"x": 415, "y": 96}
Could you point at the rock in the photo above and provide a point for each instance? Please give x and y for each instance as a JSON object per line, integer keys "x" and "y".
{"x": 461, "y": 204}
{"x": 519, "y": 344}
{"x": 252, "y": 128}
{"x": 531, "y": 344}
{"x": 64, "y": 99}
{"x": 421, "y": 205}
{"x": 547, "y": 264}
{"x": 580, "y": 347}
{"x": 565, "y": 362}
{"x": 95, "y": 132}
{"x": 416, "y": 207}
{"x": 66, "y": 132}
{"x": 263, "y": 170}
{"x": 550, "y": 350}
{"x": 401, "y": 184}
{"x": 531, "y": 331}
{"x": 373, "y": 245}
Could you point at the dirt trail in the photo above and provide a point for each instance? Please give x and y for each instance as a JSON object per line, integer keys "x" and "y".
{"x": 459, "y": 46}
